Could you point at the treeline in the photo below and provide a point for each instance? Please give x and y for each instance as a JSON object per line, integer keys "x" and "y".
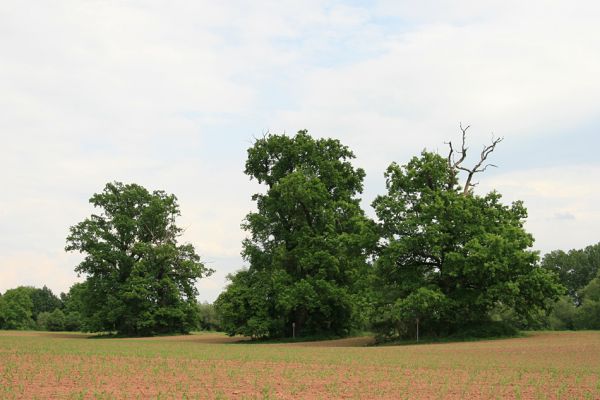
{"x": 439, "y": 259}
{"x": 30, "y": 308}
{"x": 27, "y": 307}
{"x": 579, "y": 272}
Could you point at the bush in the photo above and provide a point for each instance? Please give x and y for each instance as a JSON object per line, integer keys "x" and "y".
{"x": 56, "y": 320}
{"x": 588, "y": 315}
{"x": 566, "y": 315}
{"x": 16, "y": 309}
{"x": 73, "y": 321}
{"x": 563, "y": 314}
{"x": 485, "y": 329}
{"x": 42, "y": 320}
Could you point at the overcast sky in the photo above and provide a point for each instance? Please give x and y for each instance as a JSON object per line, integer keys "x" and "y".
{"x": 170, "y": 94}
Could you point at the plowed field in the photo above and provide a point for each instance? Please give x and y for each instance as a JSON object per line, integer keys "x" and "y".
{"x": 73, "y": 366}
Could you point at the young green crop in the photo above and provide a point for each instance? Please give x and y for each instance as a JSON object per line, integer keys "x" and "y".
{"x": 542, "y": 365}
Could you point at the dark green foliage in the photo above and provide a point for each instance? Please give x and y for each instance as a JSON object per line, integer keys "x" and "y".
{"x": 588, "y": 313}
{"x": 42, "y": 321}
{"x": 16, "y": 309}
{"x": 575, "y": 268}
{"x": 247, "y": 306}
{"x": 75, "y": 307}
{"x": 73, "y": 322}
{"x": 449, "y": 257}
{"x": 140, "y": 281}
{"x": 308, "y": 242}
{"x": 563, "y": 315}
{"x": 56, "y": 320}
{"x": 74, "y": 300}
{"x": 44, "y": 301}
{"x": 568, "y": 315}
{"x": 28, "y": 307}
{"x": 485, "y": 329}
{"x": 579, "y": 271}
{"x": 424, "y": 305}
{"x": 207, "y": 317}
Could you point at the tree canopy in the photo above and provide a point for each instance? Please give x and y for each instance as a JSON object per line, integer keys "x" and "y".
{"x": 140, "y": 280}
{"x": 308, "y": 241}
{"x": 579, "y": 271}
{"x": 575, "y": 268}
{"x": 44, "y": 301}
{"x": 449, "y": 256}
{"x": 16, "y": 309}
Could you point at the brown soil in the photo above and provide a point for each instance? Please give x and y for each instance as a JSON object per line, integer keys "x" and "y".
{"x": 348, "y": 342}
{"x": 544, "y": 366}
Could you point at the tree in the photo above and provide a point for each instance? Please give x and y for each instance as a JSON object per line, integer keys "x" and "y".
{"x": 469, "y": 252}
{"x": 588, "y": 314}
{"x": 56, "y": 320}
{"x": 140, "y": 281}
{"x": 308, "y": 242}
{"x": 566, "y": 314}
{"x": 42, "y": 321}
{"x": 248, "y": 305}
{"x": 575, "y": 268}
{"x": 16, "y": 309}
{"x": 74, "y": 306}
{"x": 44, "y": 300}
{"x": 578, "y": 270}
{"x": 73, "y": 322}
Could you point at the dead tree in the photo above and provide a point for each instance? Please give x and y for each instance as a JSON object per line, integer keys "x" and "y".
{"x": 456, "y": 164}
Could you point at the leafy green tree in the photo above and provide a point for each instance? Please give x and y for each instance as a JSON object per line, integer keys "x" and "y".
{"x": 56, "y": 320}
{"x": 140, "y": 281}
{"x": 247, "y": 306}
{"x": 564, "y": 314}
{"x": 469, "y": 252}
{"x": 74, "y": 299}
{"x": 575, "y": 268}
{"x": 588, "y": 313}
{"x": 42, "y": 321}
{"x": 308, "y": 243}
{"x": 75, "y": 306}
{"x": 73, "y": 321}
{"x": 16, "y": 309}
{"x": 44, "y": 301}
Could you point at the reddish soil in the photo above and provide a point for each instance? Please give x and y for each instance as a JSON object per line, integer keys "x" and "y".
{"x": 53, "y": 366}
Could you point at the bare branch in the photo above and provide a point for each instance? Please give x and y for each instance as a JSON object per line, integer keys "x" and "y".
{"x": 463, "y": 149}
{"x": 450, "y": 158}
{"x": 479, "y": 167}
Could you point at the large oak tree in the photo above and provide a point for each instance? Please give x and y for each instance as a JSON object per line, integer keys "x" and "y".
{"x": 449, "y": 256}
{"x": 307, "y": 244}
{"x": 140, "y": 280}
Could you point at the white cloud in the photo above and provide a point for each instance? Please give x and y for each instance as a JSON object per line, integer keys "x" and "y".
{"x": 506, "y": 68}
{"x": 562, "y": 203}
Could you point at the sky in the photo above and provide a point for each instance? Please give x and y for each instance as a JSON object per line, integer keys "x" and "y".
{"x": 170, "y": 95}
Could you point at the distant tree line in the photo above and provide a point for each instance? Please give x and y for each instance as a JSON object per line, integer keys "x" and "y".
{"x": 30, "y": 308}
{"x": 439, "y": 260}
{"x": 579, "y": 272}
